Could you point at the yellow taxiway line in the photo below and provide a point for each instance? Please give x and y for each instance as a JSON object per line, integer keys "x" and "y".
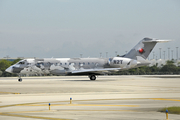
{"x": 80, "y": 105}
{"x": 26, "y": 116}
{"x": 46, "y": 103}
{"x": 8, "y": 93}
{"x": 66, "y": 110}
{"x": 15, "y": 114}
{"x": 165, "y": 99}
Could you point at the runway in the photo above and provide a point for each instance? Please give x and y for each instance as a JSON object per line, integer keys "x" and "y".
{"x": 107, "y": 98}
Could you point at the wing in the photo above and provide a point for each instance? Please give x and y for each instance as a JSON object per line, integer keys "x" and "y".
{"x": 95, "y": 70}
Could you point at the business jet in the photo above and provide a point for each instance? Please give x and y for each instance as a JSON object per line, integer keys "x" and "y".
{"x": 91, "y": 67}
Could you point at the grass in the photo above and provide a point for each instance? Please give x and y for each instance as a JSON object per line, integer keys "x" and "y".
{"x": 172, "y": 110}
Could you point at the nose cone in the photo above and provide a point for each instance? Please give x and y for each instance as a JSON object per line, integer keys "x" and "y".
{"x": 9, "y": 69}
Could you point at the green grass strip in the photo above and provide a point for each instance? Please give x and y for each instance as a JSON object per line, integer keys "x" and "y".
{"x": 171, "y": 110}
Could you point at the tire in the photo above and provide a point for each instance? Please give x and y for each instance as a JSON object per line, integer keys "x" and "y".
{"x": 20, "y": 79}
{"x": 92, "y": 77}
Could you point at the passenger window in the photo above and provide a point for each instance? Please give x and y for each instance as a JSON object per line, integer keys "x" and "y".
{"x": 88, "y": 63}
{"x": 69, "y": 63}
{"x": 60, "y": 63}
{"x": 83, "y": 63}
{"x": 65, "y": 63}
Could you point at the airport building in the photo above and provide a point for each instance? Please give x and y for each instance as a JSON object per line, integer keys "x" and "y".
{"x": 11, "y": 59}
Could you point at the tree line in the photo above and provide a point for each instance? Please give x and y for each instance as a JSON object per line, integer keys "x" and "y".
{"x": 168, "y": 68}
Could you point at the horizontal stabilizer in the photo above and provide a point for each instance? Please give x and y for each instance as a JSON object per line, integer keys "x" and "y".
{"x": 157, "y": 41}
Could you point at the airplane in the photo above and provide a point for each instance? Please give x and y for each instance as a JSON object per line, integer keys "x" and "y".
{"x": 91, "y": 67}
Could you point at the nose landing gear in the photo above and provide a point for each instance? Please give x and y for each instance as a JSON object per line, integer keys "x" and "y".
{"x": 20, "y": 79}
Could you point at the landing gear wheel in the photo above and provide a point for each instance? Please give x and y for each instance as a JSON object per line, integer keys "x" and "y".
{"x": 20, "y": 79}
{"x": 92, "y": 77}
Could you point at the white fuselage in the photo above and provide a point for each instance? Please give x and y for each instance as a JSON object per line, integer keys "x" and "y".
{"x": 60, "y": 66}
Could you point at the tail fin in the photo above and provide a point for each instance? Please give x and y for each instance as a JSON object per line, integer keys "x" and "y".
{"x": 143, "y": 48}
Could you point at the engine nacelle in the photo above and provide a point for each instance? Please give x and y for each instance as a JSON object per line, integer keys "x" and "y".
{"x": 132, "y": 64}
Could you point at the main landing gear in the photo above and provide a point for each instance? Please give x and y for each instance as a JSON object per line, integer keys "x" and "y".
{"x": 92, "y": 77}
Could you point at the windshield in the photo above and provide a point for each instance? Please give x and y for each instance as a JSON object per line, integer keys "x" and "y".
{"x": 21, "y": 63}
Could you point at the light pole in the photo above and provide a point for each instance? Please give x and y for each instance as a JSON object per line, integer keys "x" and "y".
{"x": 168, "y": 54}
{"x": 81, "y": 55}
{"x": 156, "y": 57}
{"x": 106, "y": 54}
{"x": 100, "y": 55}
{"x": 164, "y": 54}
{"x": 177, "y": 53}
{"x": 172, "y": 54}
{"x": 160, "y": 52}
{"x": 116, "y": 53}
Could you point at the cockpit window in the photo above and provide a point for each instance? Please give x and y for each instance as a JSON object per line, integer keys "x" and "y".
{"x": 21, "y": 63}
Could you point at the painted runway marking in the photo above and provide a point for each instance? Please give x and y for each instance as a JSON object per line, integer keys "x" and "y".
{"x": 67, "y": 110}
{"x": 165, "y": 99}
{"x": 103, "y": 110}
{"x": 81, "y": 105}
{"x": 26, "y": 116}
{"x": 8, "y": 93}
{"x": 46, "y": 103}
{"x": 32, "y": 111}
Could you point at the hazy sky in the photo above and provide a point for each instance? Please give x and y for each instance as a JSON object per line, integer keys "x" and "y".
{"x": 68, "y": 28}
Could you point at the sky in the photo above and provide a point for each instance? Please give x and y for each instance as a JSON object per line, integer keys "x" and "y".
{"x": 68, "y": 28}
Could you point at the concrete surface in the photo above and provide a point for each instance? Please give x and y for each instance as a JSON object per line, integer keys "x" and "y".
{"x": 107, "y": 98}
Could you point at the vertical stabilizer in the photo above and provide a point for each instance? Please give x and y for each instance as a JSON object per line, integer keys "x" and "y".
{"x": 143, "y": 48}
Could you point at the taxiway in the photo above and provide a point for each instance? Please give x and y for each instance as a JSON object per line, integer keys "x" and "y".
{"x": 107, "y": 98}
